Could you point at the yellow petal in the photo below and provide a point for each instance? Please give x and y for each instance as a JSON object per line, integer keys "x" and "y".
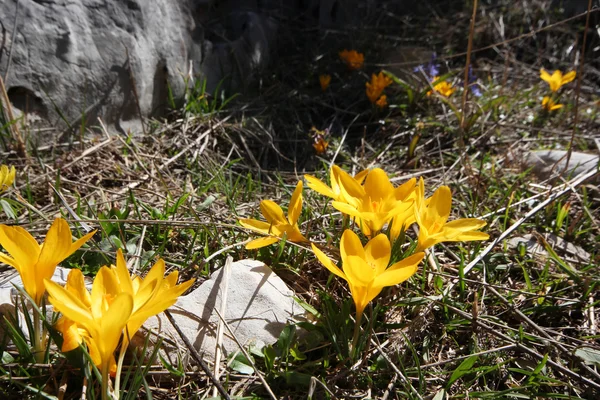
{"x": 327, "y": 263}
{"x": 76, "y": 285}
{"x": 440, "y": 204}
{"x": 255, "y": 225}
{"x": 360, "y": 177}
{"x": 350, "y": 245}
{"x": 69, "y": 305}
{"x": 377, "y": 253}
{"x": 466, "y": 224}
{"x": 122, "y": 273}
{"x": 568, "y": 77}
{"x": 20, "y": 245}
{"x": 71, "y": 334}
{"x": 357, "y": 270}
{"x": 105, "y": 284}
{"x": 295, "y": 207}
{"x": 272, "y": 212}
{"x": 544, "y": 75}
{"x": 261, "y": 242}
{"x": 55, "y": 248}
{"x": 346, "y": 208}
{"x": 377, "y": 185}
{"x": 80, "y": 242}
{"x": 319, "y": 187}
{"x": 399, "y": 272}
{"x": 111, "y": 326}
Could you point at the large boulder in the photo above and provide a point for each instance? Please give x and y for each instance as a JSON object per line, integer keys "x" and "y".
{"x": 65, "y": 60}
{"x": 68, "y": 61}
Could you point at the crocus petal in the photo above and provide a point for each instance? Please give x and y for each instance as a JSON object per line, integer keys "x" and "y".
{"x": 346, "y": 208}
{"x": 568, "y": 77}
{"x": 255, "y": 225}
{"x": 7, "y": 260}
{"x": 319, "y": 187}
{"x": 295, "y": 207}
{"x": 80, "y": 242}
{"x": 357, "y": 270}
{"x": 440, "y": 205}
{"x": 70, "y": 332}
{"x": 350, "y": 245}
{"x": 327, "y": 263}
{"x": 56, "y": 246}
{"x": 20, "y": 245}
{"x": 466, "y": 224}
{"x": 111, "y": 326}
{"x": 69, "y": 305}
{"x": 123, "y": 273}
{"x": 76, "y": 285}
{"x": 544, "y": 75}
{"x": 272, "y": 212}
{"x": 377, "y": 253}
{"x": 261, "y": 242}
{"x": 378, "y": 185}
{"x": 400, "y": 271}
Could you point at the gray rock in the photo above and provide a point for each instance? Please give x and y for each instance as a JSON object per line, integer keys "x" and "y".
{"x": 549, "y": 164}
{"x": 88, "y": 57}
{"x": 76, "y": 60}
{"x": 259, "y": 305}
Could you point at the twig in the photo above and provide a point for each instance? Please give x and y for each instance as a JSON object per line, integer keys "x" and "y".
{"x": 578, "y": 89}
{"x": 262, "y": 379}
{"x": 224, "y": 290}
{"x": 466, "y": 78}
{"x": 582, "y": 177}
{"x": 197, "y": 357}
{"x": 12, "y": 41}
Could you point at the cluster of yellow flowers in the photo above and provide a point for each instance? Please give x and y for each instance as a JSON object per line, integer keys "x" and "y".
{"x": 374, "y": 203}
{"x": 113, "y": 312}
{"x": 7, "y": 177}
{"x": 555, "y": 81}
{"x": 376, "y": 87}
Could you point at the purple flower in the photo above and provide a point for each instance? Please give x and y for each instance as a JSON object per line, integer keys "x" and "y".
{"x": 473, "y": 85}
{"x": 430, "y": 69}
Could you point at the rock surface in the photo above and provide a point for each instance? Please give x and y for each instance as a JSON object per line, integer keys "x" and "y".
{"x": 259, "y": 305}
{"x": 68, "y": 61}
{"x": 549, "y": 164}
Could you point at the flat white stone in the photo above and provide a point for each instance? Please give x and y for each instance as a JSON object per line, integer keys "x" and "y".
{"x": 259, "y": 305}
{"x": 548, "y": 164}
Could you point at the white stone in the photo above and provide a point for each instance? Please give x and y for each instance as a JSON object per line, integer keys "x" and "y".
{"x": 259, "y": 305}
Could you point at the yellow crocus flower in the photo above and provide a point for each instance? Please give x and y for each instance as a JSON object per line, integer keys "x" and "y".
{"x": 366, "y": 269}
{"x": 36, "y": 262}
{"x": 83, "y": 313}
{"x": 376, "y": 86}
{"x": 324, "y": 81}
{"x": 353, "y": 59}
{"x": 378, "y": 201}
{"x": 550, "y": 105}
{"x": 444, "y": 88}
{"x": 101, "y": 321}
{"x": 557, "y": 79}
{"x": 335, "y": 191}
{"x": 432, "y": 217}
{"x": 7, "y": 177}
{"x": 277, "y": 225}
{"x": 382, "y": 102}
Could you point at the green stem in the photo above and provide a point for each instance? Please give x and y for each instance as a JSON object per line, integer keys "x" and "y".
{"x": 38, "y": 342}
{"x": 119, "y": 368}
{"x": 105, "y": 378}
{"x": 353, "y": 349}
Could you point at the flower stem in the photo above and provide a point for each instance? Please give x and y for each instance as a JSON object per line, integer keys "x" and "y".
{"x": 38, "y": 342}
{"x": 353, "y": 349}
{"x": 105, "y": 378}
{"x": 119, "y": 368}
